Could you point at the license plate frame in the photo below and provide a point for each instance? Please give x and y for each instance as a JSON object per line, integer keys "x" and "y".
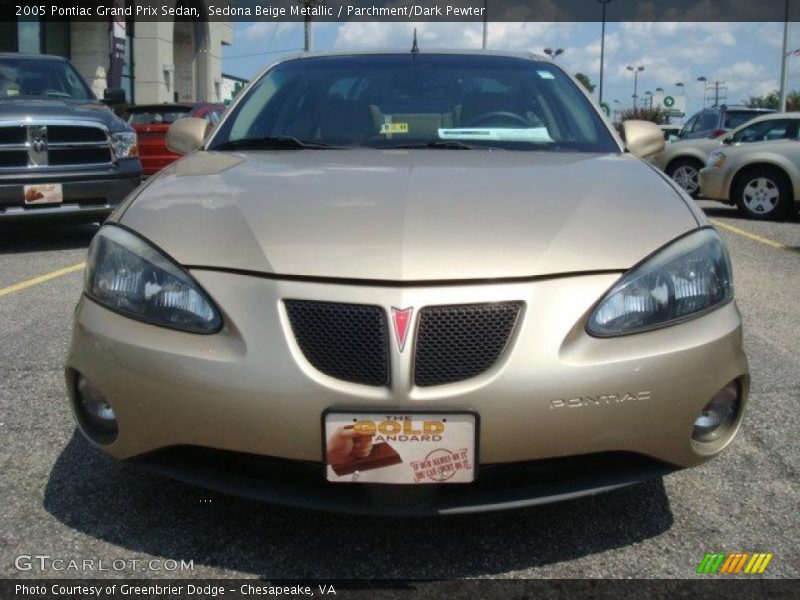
{"x": 42, "y": 193}
{"x": 451, "y": 459}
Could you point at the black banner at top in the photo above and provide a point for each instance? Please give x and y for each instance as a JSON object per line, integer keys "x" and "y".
{"x": 407, "y": 10}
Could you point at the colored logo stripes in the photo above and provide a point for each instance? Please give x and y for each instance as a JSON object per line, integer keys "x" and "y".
{"x": 734, "y": 562}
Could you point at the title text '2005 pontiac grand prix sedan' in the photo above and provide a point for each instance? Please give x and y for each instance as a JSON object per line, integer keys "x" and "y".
{"x": 409, "y": 283}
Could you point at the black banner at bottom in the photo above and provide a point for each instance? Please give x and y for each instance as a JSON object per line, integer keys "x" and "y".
{"x": 710, "y": 588}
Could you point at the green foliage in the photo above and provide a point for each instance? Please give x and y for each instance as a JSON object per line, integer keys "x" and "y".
{"x": 772, "y": 99}
{"x": 587, "y": 83}
{"x": 656, "y": 115}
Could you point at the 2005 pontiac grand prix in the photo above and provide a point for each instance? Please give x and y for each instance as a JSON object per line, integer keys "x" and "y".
{"x": 422, "y": 282}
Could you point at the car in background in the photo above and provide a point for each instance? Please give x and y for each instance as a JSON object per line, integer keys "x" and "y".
{"x": 63, "y": 153}
{"x": 762, "y": 180}
{"x": 151, "y": 122}
{"x": 682, "y": 160}
{"x": 715, "y": 121}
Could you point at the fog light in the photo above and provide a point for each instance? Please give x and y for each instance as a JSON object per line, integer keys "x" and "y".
{"x": 97, "y": 416}
{"x": 718, "y": 415}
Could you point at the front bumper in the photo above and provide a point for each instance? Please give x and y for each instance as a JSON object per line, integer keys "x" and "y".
{"x": 713, "y": 184}
{"x": 88, "y": 194}
{"x": 249, "y": 390}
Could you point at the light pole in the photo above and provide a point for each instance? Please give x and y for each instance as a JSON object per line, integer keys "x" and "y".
{"x": 649, "y": 101}
{"x": 554, "y": 54}
{"x": 603, "y": 47}
{"x": 704, "y": 79}
{"x": 784, "y": 57}
{"x": 636, "y": 71}
{"x": 682, "y": 87}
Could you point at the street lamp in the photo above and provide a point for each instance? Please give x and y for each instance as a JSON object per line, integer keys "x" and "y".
{"x": 705, "y": 88}
{"x": 553, "y": 54}
{"x": 636, "y": 71}
{"x": 649, "y": 95}
{"x": 679, "y": 84}
{"x": 602, "y": 46}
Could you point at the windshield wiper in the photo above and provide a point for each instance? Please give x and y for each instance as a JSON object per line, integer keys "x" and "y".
{"x": 277, "y": 142}
{"x": 439, "y": 145}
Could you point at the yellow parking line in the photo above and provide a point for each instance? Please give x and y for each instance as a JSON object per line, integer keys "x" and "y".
{"x": 752, "y": 236}
{"x": 41, "y": 279}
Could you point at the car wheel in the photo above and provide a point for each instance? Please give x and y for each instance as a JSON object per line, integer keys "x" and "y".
{"x": 685, "y": 173}
{"x": 763, "y": 193}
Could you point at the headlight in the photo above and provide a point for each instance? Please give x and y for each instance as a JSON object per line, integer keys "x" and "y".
{"x": 686, "y": 278}
{"x": 124, "y": 144}
{"x": 128, "y": 275}
{"x": 716, "y": 159}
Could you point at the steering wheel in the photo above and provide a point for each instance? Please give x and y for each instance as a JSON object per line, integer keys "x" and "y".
{"x": 498, "y": 115}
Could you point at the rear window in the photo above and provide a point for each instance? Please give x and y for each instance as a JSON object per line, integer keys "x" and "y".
{"x": 154, "y": 116}
{"x": 734, "y": 118}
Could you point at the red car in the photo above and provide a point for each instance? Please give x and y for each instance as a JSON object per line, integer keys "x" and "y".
{"x": 151, "y": 122}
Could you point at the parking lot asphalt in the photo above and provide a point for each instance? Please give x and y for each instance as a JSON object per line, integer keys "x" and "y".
{"x": 61, "y": 498}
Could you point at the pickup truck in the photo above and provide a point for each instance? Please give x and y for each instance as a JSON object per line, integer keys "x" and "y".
{"x": 63, "y": 153}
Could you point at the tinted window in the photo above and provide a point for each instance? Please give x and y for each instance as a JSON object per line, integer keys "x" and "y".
{"x": 707, "y": 120}
{"x": 391, "y": 100}
{"x": 32, "y": 77}
{"x": 762, "y": 131}
{"x": 735, "y": 118}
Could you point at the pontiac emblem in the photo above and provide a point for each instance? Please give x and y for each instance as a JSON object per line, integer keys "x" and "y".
{"x": 39, "y": 144}
{"x": 401, "y": 317}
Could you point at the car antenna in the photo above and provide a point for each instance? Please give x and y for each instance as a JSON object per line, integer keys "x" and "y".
{"x": 414, "y": 47}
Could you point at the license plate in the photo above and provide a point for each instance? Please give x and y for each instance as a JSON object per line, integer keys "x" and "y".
{"x": 400, "y": 448}
{"x": 43, "y": 193}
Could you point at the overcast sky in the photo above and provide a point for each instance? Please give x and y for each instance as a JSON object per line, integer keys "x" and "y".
{"x": 744, "y": 55}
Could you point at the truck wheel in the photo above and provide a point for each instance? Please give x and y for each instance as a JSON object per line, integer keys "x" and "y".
{"x": 763, "y": 193}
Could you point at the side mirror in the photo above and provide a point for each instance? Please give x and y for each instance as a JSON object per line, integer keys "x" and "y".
{"x": 186, "y": 135}
{"x": 727, "y": 140}
{"x": 113, "y": 96}
{"x": 643, "y": 138}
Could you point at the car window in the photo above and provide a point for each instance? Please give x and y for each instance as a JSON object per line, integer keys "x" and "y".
{"x": 777, "y": 129}
{"x": 736, "y": 118}
{"x": 155, "y": 115}
{"x": 45, "y": 77}
{"x": 707, "y": 120}
{"x": 391, "y": 100}
{"x": 688, "y": 127}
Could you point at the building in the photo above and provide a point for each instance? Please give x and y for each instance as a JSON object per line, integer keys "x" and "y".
{"x": 231, "y": 85}
{"x": 166, "y": 61}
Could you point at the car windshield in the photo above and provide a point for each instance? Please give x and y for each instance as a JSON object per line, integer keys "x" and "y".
{"x": 151, "y": 115}
{"x": 416, "y": 100}
{"x": 41, "y": 77}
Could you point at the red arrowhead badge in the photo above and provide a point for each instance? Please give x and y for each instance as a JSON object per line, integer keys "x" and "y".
{"x": 402, "y": 325}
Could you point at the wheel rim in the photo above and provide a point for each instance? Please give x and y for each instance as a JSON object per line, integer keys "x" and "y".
{"x": 760, "y": 196}
{"x": 686, "y": 177}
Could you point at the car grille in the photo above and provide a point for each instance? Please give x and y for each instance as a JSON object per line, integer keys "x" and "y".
{"x": 461, "y": 341}
{"x": 346, "y": 341}
{"x": 43, "y": 145}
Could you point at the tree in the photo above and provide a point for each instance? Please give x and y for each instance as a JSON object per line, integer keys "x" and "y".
{"x": 587, "y": 83}
{"x": 772, "y": 99}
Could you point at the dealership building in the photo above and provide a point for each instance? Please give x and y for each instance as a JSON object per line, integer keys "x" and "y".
{"x": 167, "y": 61}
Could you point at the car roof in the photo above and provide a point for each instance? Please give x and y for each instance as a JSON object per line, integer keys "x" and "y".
{"x": 422, "y": 51}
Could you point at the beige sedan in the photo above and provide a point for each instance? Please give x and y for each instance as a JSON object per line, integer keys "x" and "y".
{"x": 682, "y": 160}
{"x": 762, "y": 180}
{"x": 402, "y": 283}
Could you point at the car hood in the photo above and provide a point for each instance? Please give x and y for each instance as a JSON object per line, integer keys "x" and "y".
{"x": 409, "y": 215}
{"x": 38, "y": 108}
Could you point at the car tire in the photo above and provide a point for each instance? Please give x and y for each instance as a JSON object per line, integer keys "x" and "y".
{"x": 685, "y": 172}
{"x": 763, "y": 193}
